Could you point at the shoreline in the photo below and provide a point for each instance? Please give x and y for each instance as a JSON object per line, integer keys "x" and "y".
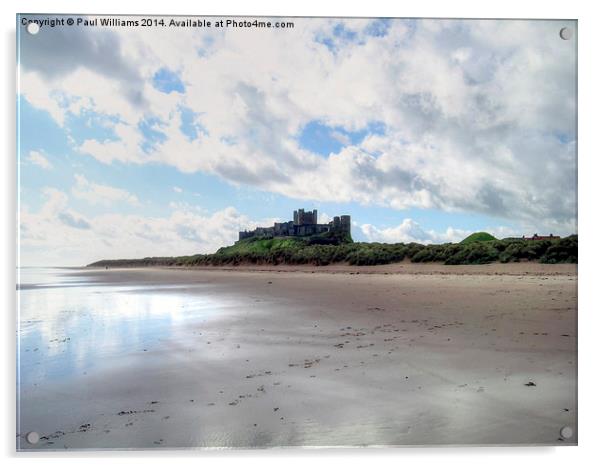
{"x": 399, "y": 268}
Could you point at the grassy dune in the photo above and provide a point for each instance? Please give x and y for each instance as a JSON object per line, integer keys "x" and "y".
{"x": 306, "y": 251}
{"x": 479, "y": 236}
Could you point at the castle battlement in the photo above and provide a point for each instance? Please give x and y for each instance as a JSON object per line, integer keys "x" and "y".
{"x": 303, "y": 224}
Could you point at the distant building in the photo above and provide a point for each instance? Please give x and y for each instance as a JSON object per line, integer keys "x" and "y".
{"x": 536, "y": 237}
{"x": 303, "y": 224}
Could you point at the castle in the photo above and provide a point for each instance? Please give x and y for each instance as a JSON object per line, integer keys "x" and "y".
{"x": 303, "y": 224}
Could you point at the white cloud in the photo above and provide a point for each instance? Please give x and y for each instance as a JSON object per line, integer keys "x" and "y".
{"x": 125, "y": 149}
{"x": 106, "y": 195}
{"x": 323, "y": 217}
{"x": 341, "y": 137}
{"x": 478, "y": 115}
{"x": 177, "y": 189}
{"x": 57, "y": 235}
{"x": 37, "y": 158}
{"x": 462, "y": 54}
{"x": 409, "y": 231}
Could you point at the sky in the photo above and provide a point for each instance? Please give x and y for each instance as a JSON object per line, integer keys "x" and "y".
{"x": 137, "y": 142}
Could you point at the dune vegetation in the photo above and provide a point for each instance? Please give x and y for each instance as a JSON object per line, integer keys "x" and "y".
{"x": 320, "y": 251}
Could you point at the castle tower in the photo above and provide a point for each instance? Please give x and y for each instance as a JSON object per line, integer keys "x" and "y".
{"x": 346, "y": 223}
{"x": 315, "y": 217}
{"x": 295, "y": 218}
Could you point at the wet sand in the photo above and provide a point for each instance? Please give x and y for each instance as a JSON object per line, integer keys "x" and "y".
{"x": 306, "y": 356}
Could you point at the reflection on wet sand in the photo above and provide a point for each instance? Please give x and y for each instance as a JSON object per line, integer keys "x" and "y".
{"x": 171, "y": 358}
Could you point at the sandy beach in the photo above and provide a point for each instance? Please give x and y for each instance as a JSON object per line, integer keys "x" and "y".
{"x": 407, "y": 354}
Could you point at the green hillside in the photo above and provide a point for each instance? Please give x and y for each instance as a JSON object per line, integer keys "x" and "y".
{"x": 321, "y": 250}
{"x": 263, "y": 245}
{"x": 479, "y": 236}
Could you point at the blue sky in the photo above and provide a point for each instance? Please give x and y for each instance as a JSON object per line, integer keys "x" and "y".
{"x": 426, "y": 141}
{"x": 155, "y": 183}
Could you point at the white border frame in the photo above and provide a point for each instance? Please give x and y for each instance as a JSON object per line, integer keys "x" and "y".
{"x": 590, "y": 319}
